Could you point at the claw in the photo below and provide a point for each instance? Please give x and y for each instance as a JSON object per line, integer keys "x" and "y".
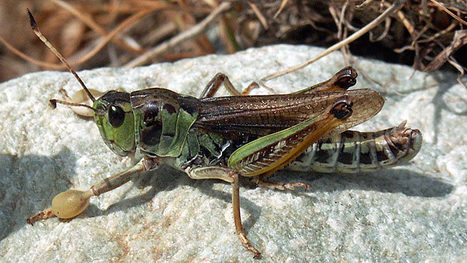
{"x": 47, "y": 213}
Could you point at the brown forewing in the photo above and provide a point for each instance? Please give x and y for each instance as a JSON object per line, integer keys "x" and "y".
{"x": 240, "y": 116}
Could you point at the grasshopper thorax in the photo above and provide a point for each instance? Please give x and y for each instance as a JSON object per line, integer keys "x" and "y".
{"x": 163, "y": 119}
{"x": 115, "y": 120}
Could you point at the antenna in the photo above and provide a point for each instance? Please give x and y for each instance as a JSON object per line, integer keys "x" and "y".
{"x": 53, "y": 103}
{"x": 38, "y": 33}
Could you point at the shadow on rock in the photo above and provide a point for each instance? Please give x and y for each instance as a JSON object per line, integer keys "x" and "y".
{"x": 167, "y": 179}
{"x": 25, "y": 184}
{"x": 398, "y": 180}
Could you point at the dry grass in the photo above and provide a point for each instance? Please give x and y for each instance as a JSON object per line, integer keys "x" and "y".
{"x": 425, "y": 33}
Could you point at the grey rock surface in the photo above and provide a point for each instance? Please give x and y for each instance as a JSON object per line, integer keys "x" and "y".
{"x": 415, "y": 212}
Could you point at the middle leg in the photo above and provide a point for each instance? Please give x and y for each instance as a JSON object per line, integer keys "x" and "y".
{"x": 71, "y": 203}
{"x": 230, "y": 176}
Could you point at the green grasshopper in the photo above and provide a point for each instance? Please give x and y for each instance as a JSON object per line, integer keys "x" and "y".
{"x": 227, "y": 137}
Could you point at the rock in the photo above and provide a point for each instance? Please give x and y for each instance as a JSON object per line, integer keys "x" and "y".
{"x": 410, "y": 213}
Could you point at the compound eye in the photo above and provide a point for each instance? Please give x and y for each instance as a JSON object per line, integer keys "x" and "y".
{"x": 116, "y": 116}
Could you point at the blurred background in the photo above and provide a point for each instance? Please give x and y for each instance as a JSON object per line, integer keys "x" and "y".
{"x": 427, "y": 34}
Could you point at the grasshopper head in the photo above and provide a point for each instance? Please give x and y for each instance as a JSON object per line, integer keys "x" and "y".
{"x": 112, "y": 112}
{"x": 114, "y": 118}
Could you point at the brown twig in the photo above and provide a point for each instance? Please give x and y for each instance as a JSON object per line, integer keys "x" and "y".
{"x": 283, "y": 4}
{"x": 365, "y": 3}
{"x": 406, "y": 23}
{"x": 459, "y": 40}
{"x": 440, "y": 33}
{"x": 258, "y": 14}
{"x": 185, "y": 35}
{"x": 420, "y": 33}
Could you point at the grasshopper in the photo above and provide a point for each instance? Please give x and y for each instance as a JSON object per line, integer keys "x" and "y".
{"x": 227, "y": 137}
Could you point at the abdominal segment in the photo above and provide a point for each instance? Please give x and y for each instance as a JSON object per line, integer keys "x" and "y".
{"x": 353, "y": 151}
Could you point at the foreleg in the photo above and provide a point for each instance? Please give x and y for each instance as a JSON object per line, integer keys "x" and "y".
{"x": 71, "y": 203}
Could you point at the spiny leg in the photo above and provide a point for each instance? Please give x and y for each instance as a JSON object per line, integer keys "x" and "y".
{"x": 230, "y": 176}
{"x": 272, "y": 152}
{"x": 220, "y": 78}
{"x": 71, "y": 203}
{"x": 264, "y": 156}
{"x": 341, "y": 81}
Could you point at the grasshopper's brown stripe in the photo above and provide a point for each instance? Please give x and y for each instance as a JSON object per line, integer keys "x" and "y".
{"x": 353, "y": 151}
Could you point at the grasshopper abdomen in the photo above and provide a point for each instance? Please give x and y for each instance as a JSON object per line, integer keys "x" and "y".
{"x": 353, "y": 151}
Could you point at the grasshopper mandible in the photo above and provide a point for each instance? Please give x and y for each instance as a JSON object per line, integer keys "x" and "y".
{"x": 227, "y": 137}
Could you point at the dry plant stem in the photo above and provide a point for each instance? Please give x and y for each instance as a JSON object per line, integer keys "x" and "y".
{"x": 440, "y": 33}
{"x": 92, "y": 53}
{"x": 459, "y": 40}
{"x": 342, "y": 16}
{"x": 259, "y": 15}
{"x": 449, "y": 12}
{"x": 455, "y": 64}
{"x": 333, "y": 11}
{"x": 424, "y": 8}
{"x": 405, "y": 48}
{"x": 406, "y": 23}
{"x": 365, "y": 3}
{"x": 341, "y": 30}
{"x": 96, "y": 27}
{"x": 344, "y": 49}
{"x": 184, "y": 36}
{"x": 27, "y": 58}
{"x": 162, "y": 32}
{"x": 283, "y": 4}
{"x": 109, "y": 37}
{"x": 387, "y": 26}
{"x": 394, "y": 7}
{"x": 423, "y": 31}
